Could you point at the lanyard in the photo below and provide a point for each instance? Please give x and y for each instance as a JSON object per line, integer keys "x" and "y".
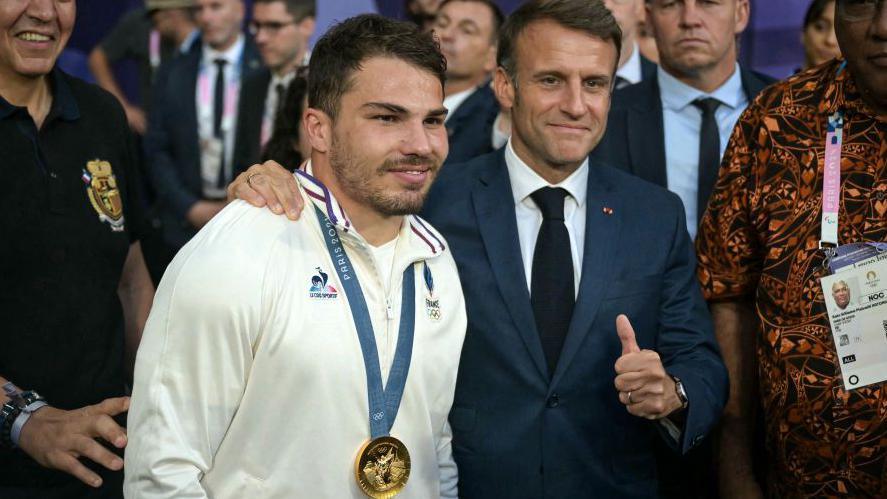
{"x": 154, "y": 49}
{"x": 831, "y": 183}
{"x": 383, "y": 403}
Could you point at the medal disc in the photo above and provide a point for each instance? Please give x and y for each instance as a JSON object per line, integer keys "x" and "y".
{"x": 382, "y": 467}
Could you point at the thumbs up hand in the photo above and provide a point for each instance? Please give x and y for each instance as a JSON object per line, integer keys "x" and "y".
{"x": 644, "y": 387}
{"x": 626, "y": 336}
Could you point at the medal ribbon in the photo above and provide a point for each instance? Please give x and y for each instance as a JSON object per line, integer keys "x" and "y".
{"x": 383, "y": 403}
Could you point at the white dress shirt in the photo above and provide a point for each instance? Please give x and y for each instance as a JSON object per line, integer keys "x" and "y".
{"x": 682, "y": 123}
{"x": 525, "y": 181}
{"x": 631, "y": 70}
{"x": 250, "y": 378}
{"x": 205, "y": 96}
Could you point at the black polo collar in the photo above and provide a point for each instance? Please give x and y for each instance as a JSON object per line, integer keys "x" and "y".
{"x": 64, "y": 105}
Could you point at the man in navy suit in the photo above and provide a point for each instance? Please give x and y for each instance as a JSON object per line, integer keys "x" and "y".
{"x": 582, "y": 354}
{"x": 191, "y": 134}
{"x": 659, "y": 131}
{"x": 468, "y": 30}
{"x": 281, "y": 29}
{"x": 657, "y": 128}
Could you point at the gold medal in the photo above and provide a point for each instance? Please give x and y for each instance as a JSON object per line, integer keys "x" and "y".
{"x": 382, "y": 467}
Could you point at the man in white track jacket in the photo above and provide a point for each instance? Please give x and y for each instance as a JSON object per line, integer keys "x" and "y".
{"x": 317, "y": 358}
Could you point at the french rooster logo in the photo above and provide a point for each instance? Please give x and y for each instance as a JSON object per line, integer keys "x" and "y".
{"x": 320, "y": 287}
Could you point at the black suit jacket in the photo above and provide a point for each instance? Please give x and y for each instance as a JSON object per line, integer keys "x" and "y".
{"x": 253, "y": 93}
{"x": 648, "y": 68}
{"x": 470, "y": 128}
{"x": 635, "y": 136}
{"x": 172, "y": 147}
{"x": 520, "y": 433}
{"x": 635, "y": 142}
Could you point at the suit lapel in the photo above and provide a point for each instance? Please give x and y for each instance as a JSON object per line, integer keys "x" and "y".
{"x": 251, "y": 112}
{"x": 648, "y": 68}
{"x": 464, "y": 112}
{"x": 189, "y": 107}
{"x": 250, "y": 61}
{"x": 494, "y": 208}
{"x": 646, "y": 136}
{"x": 603, "y": 219}
{"x": 254, "y": 81}
{"x": 752, "y": 84}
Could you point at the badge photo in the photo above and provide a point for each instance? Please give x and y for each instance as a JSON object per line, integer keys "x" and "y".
{"x": 101, "y": 188}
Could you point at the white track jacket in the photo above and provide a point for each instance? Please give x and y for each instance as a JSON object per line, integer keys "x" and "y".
{"x": 250, "y": 380}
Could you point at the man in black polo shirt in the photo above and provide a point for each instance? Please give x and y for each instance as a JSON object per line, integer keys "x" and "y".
{"x": 75, "y": 291}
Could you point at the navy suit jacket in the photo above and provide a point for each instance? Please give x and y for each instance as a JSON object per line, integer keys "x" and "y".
{"x": 635, "y": 142}
{"x": 518, "y": 433}
{"x": 172, "y": 147}
{"x": 648, "y": 68}
{"x": 253, "y": 93}
{"x": 635, "y": 136}
{"x": 470, "y": 128}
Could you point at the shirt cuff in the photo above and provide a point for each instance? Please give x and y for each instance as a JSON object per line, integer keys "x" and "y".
{"x": 671, "y": 429}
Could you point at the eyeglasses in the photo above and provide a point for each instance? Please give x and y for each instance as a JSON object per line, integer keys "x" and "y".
{"x": 271, "y": 27}
{"x": 859, "y": 10}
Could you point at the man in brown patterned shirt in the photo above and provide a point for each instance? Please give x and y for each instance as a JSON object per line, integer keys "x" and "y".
{"x": 758, "y": 247}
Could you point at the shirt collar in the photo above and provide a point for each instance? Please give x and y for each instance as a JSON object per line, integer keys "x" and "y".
{"x": 232, "y": 55}
{"x": 525, "y": 181}
{"x": 631, "y": 70}
{"x": 189, "y": 41}
{"x": 64, "y": 105}
{"x": 425, "y": 241}
{"x": 453, "y": 102}
{"x": 676, "y": 95}
{"x": 6, "y": 109}
{"x": 284, "y": 80}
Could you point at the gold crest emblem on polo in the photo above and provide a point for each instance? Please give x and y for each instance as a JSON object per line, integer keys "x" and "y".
{"x": 101, "y": 187}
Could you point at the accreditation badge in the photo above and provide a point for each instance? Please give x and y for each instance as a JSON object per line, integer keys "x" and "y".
{"x": 856, "y": 301}
{"x": 212, "y": 160}
{"x": 382, "y": 467}
{"x": 103, "y": 194}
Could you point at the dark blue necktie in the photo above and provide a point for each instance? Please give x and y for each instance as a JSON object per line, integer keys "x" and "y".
{"x": 219, "y": 97}
{"x": 218, "y": 112}
{"x": 709, "y": 153}
{"x": 552, "y": 291}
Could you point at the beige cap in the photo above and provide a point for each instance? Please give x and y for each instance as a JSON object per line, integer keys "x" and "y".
{"x": 168, "y": 4}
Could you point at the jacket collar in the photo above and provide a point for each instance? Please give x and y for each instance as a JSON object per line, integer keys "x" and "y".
{"x": 677, "y": 95}
{"x": 424, "y": 242}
